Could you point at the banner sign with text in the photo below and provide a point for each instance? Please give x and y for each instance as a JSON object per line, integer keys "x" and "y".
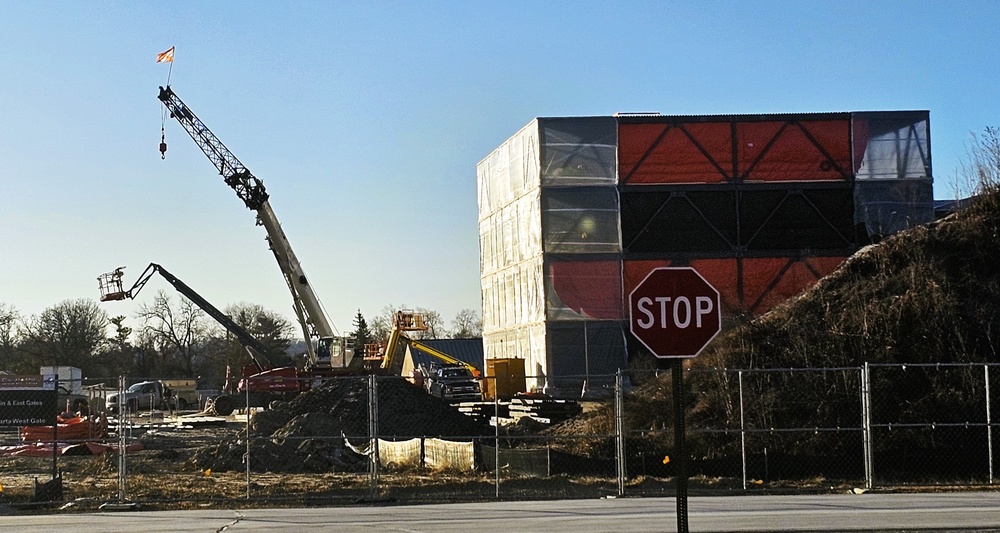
{"x": 27, "y": 400}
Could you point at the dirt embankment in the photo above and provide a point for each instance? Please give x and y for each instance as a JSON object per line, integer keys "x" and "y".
{"x": 928, "y": 295}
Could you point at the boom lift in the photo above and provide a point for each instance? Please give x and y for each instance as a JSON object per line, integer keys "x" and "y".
{"x": 264, "y": 381}
{"x": 390, "y": 353}
{"x": 112, "y": 290}
{"x": 331, "y": 349}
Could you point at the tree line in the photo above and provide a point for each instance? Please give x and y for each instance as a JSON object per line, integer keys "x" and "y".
{"x": 173, "y": 338}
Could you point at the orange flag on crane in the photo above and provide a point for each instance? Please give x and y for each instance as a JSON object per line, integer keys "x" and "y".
{"x": 166, "y": 57}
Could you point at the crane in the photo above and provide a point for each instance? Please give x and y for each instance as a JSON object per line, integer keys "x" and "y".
{"x": 331, "y": 349}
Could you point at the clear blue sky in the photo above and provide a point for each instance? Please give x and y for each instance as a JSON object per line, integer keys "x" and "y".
{"x": 366, "y": 120}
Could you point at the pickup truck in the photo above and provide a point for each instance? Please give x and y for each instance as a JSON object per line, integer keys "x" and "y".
{"x": 147, "y": 395}
{"x": 453, "y": 383}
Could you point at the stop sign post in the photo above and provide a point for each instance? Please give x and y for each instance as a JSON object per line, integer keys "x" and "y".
{"x": 674, "y": 312}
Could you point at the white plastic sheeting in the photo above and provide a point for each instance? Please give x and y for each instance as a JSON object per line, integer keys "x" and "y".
{"x": 893, "y": 182}
{"x": 549, "y": 189}
{"x": 581, "y": 220}
{"x": 437, "y": 453}
{"x": 510, "y": 241}
{"x": 399, "y": 453}
{"x": 449, "y": 455}
{"x": 578, "y": 151}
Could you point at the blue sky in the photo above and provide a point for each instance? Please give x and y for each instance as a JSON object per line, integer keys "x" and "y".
{"x": 366, "y": 120}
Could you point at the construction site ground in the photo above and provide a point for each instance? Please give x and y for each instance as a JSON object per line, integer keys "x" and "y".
{"x": 163, "y": 475}
{"x": 298, "y": 457}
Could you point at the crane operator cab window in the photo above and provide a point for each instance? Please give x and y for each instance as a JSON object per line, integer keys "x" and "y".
{"x": 330, "y": 349}
{"x": 323, "y": 350}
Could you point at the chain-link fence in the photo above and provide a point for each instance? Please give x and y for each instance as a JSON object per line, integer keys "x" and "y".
{"x": 378, "y": 438}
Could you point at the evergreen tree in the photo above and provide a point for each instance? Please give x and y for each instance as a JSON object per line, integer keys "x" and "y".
{"x": 362, "y": 335}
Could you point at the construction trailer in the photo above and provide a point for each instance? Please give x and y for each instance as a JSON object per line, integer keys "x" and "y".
{"x": 575, "y": 211}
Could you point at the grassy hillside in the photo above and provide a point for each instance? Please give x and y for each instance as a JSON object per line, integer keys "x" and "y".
{"x": 931, "y": 294}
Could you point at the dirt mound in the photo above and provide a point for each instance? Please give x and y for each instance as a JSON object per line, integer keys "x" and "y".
{"x": 927, "y": 295}
{"x": 404, "y": 410}
{"x": 307, "y": 434}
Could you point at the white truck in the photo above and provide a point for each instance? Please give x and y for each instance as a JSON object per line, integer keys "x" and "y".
{"x": 70, "y": 377}
{"x": 149, "y": 395}
{"x": 70, "y": 389}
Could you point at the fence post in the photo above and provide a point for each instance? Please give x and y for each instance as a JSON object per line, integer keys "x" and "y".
{"x": 989, "y": 422}
{"x": 866, "y": 424}
{"x": 743, "y": 433}
{"x": 247, "y": 458}
{"x": 496, "y": 438}
{"x": 620, "y": 431}
{"x": 373, "y": 432}
{"x": 123, "y": 425}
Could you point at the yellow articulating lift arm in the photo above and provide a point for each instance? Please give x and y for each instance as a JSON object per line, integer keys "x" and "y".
{"x": 392, "y": 353}
{"x": 443, "y": 356}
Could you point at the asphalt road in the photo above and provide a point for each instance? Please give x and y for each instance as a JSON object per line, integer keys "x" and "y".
{"x": 971, "y": 511}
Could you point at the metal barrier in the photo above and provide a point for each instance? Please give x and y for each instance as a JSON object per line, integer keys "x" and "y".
{"x": 378, "y": 438}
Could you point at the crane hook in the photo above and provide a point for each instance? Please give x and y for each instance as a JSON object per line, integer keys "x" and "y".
{"x": 163, "y": 146}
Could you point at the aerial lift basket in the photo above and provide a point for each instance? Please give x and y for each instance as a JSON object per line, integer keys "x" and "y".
{"x": 111, "y": 285}
{"x": 407, "y": 320}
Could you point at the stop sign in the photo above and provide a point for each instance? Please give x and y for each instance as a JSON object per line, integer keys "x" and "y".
{"x": 674, "y": 312}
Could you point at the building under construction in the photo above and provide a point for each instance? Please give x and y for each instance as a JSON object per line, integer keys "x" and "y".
{"x": 574, "y": 212}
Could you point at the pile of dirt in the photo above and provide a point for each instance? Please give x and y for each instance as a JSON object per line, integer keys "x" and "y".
{"x": 307, "y": 434}
{"x": 927, "y": 295}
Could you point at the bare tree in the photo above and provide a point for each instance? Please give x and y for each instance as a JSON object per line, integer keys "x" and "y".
{"x": 273, "y": 330}
{"x": 68, "y": 333}
{"x": 982, "y": 165}
{"x": 467, "y": 325}
{"x": 9, "y": 337}
{"x": 177, "y": 334}
{"x": 434, "y": 323}
{"x": 381, "y": 325}
{"x": 146, "y": 359}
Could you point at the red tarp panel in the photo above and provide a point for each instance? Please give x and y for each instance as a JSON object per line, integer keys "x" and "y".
{"x": 589, "y": 288}
{"x": 721, "y": 273}
{"x": 769, "y": 281}
{"x": 684, "y": 153}
{"x": 794, "y": 150}
{"x": 766, "y": 281}
{"x": 702, "y": 152}
{"x": 598, "y": 290}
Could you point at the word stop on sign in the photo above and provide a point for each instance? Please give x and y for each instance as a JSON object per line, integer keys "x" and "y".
{"x": 673, "y": 312}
